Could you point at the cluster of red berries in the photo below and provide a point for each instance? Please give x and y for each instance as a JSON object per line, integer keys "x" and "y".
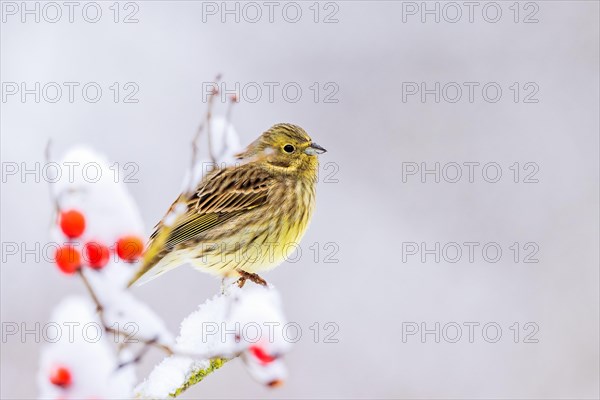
{"x": 95, "y": 254}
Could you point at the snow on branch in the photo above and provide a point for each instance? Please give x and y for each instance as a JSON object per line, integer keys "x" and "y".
{"x": 247, "y": 322}
{"x": 97, "y": 234}
{"x": 104, "y": 249}
{"x": 81, "y": 364}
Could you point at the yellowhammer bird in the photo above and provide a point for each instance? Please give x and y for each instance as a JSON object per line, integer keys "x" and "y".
{"x": 241, "y": 219}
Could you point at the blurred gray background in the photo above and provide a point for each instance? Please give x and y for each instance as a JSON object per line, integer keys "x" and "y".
{"x": 368, "y": 53}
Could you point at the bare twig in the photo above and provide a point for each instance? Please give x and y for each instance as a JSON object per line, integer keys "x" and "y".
{"x": 203, "y": 124}
{"x": 92, "y": 294}
{"x": 53, "y": 198}
{"x": 233, "y": 99}
{"x": 139, "y": 355}
{"x": 100, "y": 309}
{"x": 209, "y": 107}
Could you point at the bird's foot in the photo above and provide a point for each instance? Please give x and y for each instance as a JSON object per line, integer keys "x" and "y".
{"x": 244, "y": 276}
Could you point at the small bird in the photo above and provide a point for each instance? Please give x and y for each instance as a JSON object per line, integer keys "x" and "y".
{"x": 241, "y": 219}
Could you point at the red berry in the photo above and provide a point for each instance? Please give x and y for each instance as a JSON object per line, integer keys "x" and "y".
{"x": 96, "y": 254}
{"x": 261, "y": 354}
{"x": 60, "y": 376}
{"x": 130, "y": 248}
{"x": 72, "y": 223}
{"x": 68, "y": 259}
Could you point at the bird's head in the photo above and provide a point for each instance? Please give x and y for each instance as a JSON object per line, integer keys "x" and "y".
{"x": 286, "y": 148}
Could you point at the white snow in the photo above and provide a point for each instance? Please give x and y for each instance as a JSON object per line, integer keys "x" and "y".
{"x": 167, "y": 376}
{"x": 267, "y": 374}
{"x": 109, "y": 209}
{"x": 225, "y": 326}
{"x": 110, "y": 212}
{"x": 87, "y": 352}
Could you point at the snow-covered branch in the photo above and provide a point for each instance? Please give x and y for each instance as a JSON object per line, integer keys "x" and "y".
{"x": 97, "y": 234}
{"x": 246, "y": 322}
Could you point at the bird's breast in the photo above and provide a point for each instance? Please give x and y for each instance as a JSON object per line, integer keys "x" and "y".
{"x": 271, "y": 234}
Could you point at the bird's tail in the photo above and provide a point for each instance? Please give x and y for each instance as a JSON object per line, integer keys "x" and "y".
{"x": 153, "y": 262}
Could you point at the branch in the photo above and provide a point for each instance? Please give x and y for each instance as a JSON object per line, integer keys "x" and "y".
{"x": 53, "y": 199}
{"x": 206, "y": 122}
{"x": 199, "y": 375}
{"x": 200, "y": 352}
{"x": 232, "y": 100}
{"x": 100, "y": 309}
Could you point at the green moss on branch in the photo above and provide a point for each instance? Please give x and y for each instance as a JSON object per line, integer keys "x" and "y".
{"x": 199, "y": 375}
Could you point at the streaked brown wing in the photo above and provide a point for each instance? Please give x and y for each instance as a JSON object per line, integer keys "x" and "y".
{"x": 220, "y": 197}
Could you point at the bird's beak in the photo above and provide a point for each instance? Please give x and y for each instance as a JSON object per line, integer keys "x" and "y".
{"x": 314, "y": 149}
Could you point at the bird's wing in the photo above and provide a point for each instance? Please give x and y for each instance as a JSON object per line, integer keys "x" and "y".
{"x": 227, "y": 195}
{"x": 222, "y": 195}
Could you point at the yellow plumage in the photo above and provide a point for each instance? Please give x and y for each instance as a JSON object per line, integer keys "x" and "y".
{"x": 242, "y": 219}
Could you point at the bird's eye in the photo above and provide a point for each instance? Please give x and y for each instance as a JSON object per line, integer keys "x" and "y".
{"x": 288, "y": 148}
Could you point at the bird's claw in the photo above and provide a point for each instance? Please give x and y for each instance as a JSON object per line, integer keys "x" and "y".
{"x": 244, "y": 276}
